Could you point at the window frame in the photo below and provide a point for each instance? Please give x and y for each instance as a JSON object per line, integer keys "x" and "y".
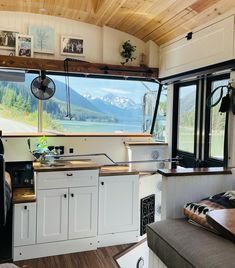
{"x": 210, "y": 160}
{"x": 188, "y": 157}
{"x": 200, "y": 157}
{"x": 40, "y": 130}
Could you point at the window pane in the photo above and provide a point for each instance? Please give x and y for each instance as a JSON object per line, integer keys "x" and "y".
{"x": 18, "y": 107}
{"x": 186, "y": 118}
{"x": 217, "y": 124}
{"x": 100, "y": 105}
{"x": 160, "y": 124}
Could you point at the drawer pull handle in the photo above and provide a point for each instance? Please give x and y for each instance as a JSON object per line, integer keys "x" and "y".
{"x": 65, "y": 195}
{"x": 72, "y": 195}
{"x": 69, "y": 174}
{"x": 25, "y": 207}
{"x": 102, "y": 183}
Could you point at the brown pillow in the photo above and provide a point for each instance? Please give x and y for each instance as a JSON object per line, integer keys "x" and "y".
{"x": 196, "y": 211}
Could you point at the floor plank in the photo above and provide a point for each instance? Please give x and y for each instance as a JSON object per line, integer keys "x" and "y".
{"x": 100, "y": 258}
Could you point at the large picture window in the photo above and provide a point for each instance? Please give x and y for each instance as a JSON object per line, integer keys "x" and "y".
{"x": 97, "y": 105}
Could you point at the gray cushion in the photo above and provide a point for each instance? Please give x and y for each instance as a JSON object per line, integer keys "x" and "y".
{"x": 180, "y": 244}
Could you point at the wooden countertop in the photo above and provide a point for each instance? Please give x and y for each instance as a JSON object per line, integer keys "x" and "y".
{"x": 117, "y": 170}
{"x": 23, "y": 195}
{"x": 223, "y": 220}
{"x": 70, "y": 165}
{"x": 194, "y": 171}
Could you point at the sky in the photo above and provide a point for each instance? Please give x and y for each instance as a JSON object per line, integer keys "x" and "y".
{"x": 133, "y": 90}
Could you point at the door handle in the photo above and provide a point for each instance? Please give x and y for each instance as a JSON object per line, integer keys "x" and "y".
{"x": 72, "y": 195}
{"x": 25, "y": 207}
{"x": 69, "y": 174}
{"x": 102, "y": 183}
{"x": 65, "y": 195}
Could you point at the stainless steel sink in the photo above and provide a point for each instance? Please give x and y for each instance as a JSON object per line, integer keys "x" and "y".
{"x": 61, "y": 163}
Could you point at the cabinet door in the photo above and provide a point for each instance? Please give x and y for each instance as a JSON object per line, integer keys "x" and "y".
{"x": 24, "y": 224}
{"x": 52, "y": 215}
{"x": 118, "y": 204}
{"x": 83, "y": 212}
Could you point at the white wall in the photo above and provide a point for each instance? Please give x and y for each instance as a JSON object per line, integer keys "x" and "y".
{"x": 112, "y": 40}
{"x": 92, "y": 34}
{"x": 152, "y": 54}
{"x": 209, "y": 45}
{"x": 100, "y": 44}
{"x": 16, "y": 149}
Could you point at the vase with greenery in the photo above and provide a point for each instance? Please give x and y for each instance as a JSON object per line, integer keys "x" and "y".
{"x": 127, "y": 52}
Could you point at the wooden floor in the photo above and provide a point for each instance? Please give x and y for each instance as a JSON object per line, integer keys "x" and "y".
{"x": 100, "y": 258}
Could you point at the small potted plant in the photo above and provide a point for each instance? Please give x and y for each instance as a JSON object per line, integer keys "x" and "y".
{"x": 127, "y": 52}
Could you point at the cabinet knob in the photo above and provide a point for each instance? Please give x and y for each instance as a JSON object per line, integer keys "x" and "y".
{"x": 69, "y": 174}
{"x": 65, "y": 195}
{"x": 102, "y": 183}
{"x": 25, "y": 207}
{"x": 72, "y": 195}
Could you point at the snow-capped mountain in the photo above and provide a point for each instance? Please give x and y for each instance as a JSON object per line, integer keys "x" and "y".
{"x": 120, "y": 102}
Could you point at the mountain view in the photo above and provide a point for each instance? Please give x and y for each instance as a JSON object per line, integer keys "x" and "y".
{"x": 17, "y": 101}
{"x": 108, "y": 108}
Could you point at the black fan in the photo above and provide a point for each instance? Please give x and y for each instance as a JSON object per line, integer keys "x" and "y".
{"x": 42, "y": 87}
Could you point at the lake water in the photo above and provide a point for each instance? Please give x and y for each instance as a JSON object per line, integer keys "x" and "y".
{"x": 81, "y": 126}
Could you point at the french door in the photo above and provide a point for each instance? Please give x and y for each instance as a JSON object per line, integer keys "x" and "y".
{"x": 199, "y": 135}
{"x": 184, "y": 138}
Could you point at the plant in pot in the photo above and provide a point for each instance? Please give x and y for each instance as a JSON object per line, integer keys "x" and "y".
{"x": 127, "y": 52}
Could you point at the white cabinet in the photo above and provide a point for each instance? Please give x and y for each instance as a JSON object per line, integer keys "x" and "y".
{"x": 52, "y": 215}
{"x": 24, "y": 224}
{"x": 118, "y": 204}
{"x": 82, "y": 212}
{"x": 69, "y": 212}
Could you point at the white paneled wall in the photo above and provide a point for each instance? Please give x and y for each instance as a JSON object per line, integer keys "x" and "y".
{"x": 179, "y": 190}
{"x": 210, "y": 45}
{"x": 100, "y": 44}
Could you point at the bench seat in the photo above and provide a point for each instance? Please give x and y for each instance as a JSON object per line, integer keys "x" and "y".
{"x": 180, "y": 244}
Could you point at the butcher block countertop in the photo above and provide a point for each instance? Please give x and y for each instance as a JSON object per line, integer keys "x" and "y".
{"x": 26, "y": 195}
{"x": 86, "y": 164}
{"x": 23, "y": 195}
{"x": 66, "y": 165}
{"x": 117, "y": 170}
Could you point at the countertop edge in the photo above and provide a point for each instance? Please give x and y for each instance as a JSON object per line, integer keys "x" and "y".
{"x": 193, "y": 171}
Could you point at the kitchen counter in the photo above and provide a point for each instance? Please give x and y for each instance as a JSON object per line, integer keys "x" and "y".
{"x": 117, "y": 170}
{"x": 23, "y": 195}
{"x": 69, "y": 165}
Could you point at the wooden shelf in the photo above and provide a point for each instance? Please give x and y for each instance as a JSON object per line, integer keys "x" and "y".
{"x": 77, "y": 66}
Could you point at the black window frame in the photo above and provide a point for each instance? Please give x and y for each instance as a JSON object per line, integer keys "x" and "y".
{"x": 210, "y": 161}
{"x": 188, "y": 158}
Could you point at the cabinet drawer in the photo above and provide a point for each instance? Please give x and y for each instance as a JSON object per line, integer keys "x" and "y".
{"x": 69, "y": 178}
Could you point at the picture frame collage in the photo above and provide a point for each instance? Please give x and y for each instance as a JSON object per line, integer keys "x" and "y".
{"x": 40, "y": 39}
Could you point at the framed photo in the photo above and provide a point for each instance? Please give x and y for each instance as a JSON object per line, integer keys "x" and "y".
{"x": 8, "y": 39}
{"x": 72, "y": 46}
{"x": 43, "y": 39}
{"x": 24, "y": 45}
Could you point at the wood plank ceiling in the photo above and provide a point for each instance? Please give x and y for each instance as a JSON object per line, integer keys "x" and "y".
{"x": 157, "y": 20}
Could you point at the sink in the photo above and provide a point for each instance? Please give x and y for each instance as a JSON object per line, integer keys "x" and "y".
{"x": 61, "y": 163}
{"x": 55, "y": 164}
